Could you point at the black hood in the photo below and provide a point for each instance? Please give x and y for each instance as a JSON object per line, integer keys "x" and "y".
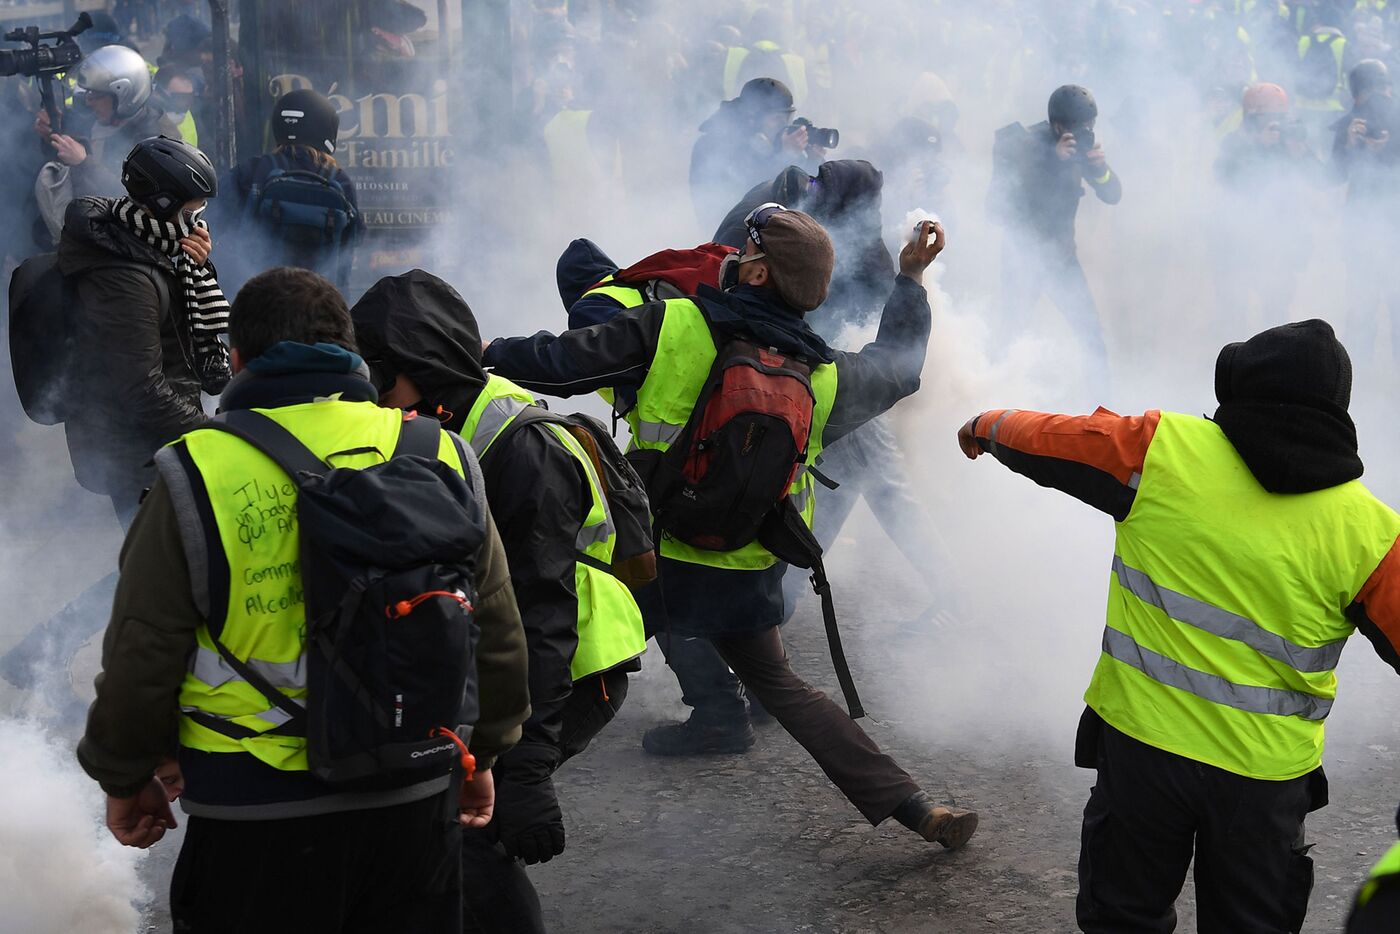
{"x": 1283, "y": 398}
{"x": 844, "y": 188}
{"x": 416, "y": 324}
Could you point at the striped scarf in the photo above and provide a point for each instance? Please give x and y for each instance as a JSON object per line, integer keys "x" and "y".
{"x": 204, "y": 303}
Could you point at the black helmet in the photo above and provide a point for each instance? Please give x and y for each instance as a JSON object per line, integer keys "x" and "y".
{"x": 765, "y": 95}
{"x": 1367, "y": 75}
{"x": 1072, "y": 105}
{"x": 161, "y": 174}
{"x": 305, "y": 118}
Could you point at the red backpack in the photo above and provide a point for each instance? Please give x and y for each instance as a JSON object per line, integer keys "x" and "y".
{"x": 740, "y": 451}
{"x": 725, "y": 481}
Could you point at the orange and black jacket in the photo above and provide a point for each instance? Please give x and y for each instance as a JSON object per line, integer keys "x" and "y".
{"x": 1098, "y": 459}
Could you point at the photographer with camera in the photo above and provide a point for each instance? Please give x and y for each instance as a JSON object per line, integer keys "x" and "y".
{"x": 1038, "y": 178}
{"x": 115, "y": 113}
{"x": 1366, "y": 158}
{"x": 751, "y": 138}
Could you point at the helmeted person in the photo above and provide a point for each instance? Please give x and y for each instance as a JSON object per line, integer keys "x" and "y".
{"x": 1039, "y": 178}
{"x": 1263, "y": 168}
{"x": 734, "y": 597}
{"x": 148, "y": 315}
{"x": 114, "y": 113}
{"x": 295, "y": 205}
{"x": 1376, "y": 909}
{"x": 582, "y": 625}
{"x": 213, "y": 601}
{"x": 1247, "y": 553}
{"x": 749, "y": 139}
{"x": 1366, "y": 158}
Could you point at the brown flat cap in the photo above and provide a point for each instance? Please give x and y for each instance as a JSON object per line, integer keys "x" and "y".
{"x": 800, "y": 258}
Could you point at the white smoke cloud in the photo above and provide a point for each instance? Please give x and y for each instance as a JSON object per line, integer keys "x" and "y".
{"x": 60, "y": 870}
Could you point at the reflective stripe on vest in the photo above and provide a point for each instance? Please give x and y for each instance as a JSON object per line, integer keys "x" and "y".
{"x": 685, "y": 351}
{"x": 610, "y": 629}
{"x": 1225, "y": 614}
{"x": 1387, "y": 868}
{"x": 253, "y": 548}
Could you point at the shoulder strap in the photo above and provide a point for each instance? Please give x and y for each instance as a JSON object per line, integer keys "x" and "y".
{"x": 273, "y": 440}
{"x": 419, "y": 437}
{"x": 530, "y": 415}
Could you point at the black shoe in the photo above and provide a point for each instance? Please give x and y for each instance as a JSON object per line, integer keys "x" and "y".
{"x": 695, "y": 738}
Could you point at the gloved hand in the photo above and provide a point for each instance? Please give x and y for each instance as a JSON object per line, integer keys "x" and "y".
{"x": 528, "y": 820}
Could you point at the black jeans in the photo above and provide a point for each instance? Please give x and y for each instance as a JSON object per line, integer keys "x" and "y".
{"x": 354, "y": 872}
{"x": 497, "y": 897}
{"x": 1150, "y": 810}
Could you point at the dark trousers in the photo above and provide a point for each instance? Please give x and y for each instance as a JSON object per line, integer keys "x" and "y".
{"x": 866, "y": 776}
{"x": 355, "y": 872}
{"x": 497, "y": 897}
{"x": 1151, "y": 810}
{"x": 707, "y": 684}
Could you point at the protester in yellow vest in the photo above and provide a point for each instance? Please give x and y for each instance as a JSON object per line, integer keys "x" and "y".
{"x": 1377, "y": 906}
{"x": 269, "y": 845}
{"x": 582, "y": 624}
{"x": 1247, "y": 553}
{"x": 734, "y": 597}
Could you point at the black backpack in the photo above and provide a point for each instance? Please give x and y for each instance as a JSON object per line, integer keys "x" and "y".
{"x": 388, "y": 571}
{"x": 634, "y": 552}
{"x": 305, "y": 212}
{"x": 43, "y": 333}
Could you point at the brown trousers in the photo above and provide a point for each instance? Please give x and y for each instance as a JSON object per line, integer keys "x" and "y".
{"x": 869, "y": 779}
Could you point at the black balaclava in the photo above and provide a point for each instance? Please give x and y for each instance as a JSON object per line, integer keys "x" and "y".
{"x": 1283, "y": 398}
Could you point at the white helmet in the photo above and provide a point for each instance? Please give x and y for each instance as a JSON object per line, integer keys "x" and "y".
{"x": 120, "y": 72}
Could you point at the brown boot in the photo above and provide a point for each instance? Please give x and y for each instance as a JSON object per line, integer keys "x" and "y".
{"x": 951, "y": 827}
{"x": 936, "y": 823}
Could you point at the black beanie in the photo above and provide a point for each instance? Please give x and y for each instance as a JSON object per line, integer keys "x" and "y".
{"x": 1301, "y": 363}
{"x": 305, "y": 118}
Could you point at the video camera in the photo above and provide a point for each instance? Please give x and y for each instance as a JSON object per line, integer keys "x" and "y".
{"x": 44, "y": 61}
{"x": 823, "y": 137}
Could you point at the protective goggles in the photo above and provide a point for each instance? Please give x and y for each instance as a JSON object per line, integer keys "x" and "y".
{"x": 758, "y": 218}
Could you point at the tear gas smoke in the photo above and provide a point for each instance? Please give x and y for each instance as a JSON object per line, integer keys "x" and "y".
{"x": 60, "y": 871}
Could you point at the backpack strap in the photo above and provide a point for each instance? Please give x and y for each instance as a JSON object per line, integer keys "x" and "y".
{"x": 272, "y": 439}
{"x": 419, "y": 437}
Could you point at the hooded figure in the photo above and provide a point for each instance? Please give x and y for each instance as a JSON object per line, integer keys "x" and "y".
{"x": 1245, "y": 557}
{"x": 423, "y": 347}
{"x": 844, "y": 197}
{"x": 1283, "y": 398}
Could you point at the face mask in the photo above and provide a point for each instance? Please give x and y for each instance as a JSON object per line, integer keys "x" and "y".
{"x": 187, "y": 221}
{"x": 729, "y": 269}
{"x": 177, "y": 117}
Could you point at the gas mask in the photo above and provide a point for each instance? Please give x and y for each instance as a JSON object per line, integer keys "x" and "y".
{"x": 729, "y": 269}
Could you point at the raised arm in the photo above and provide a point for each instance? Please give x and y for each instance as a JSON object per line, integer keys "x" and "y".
{"x": 1095, "y": 458}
